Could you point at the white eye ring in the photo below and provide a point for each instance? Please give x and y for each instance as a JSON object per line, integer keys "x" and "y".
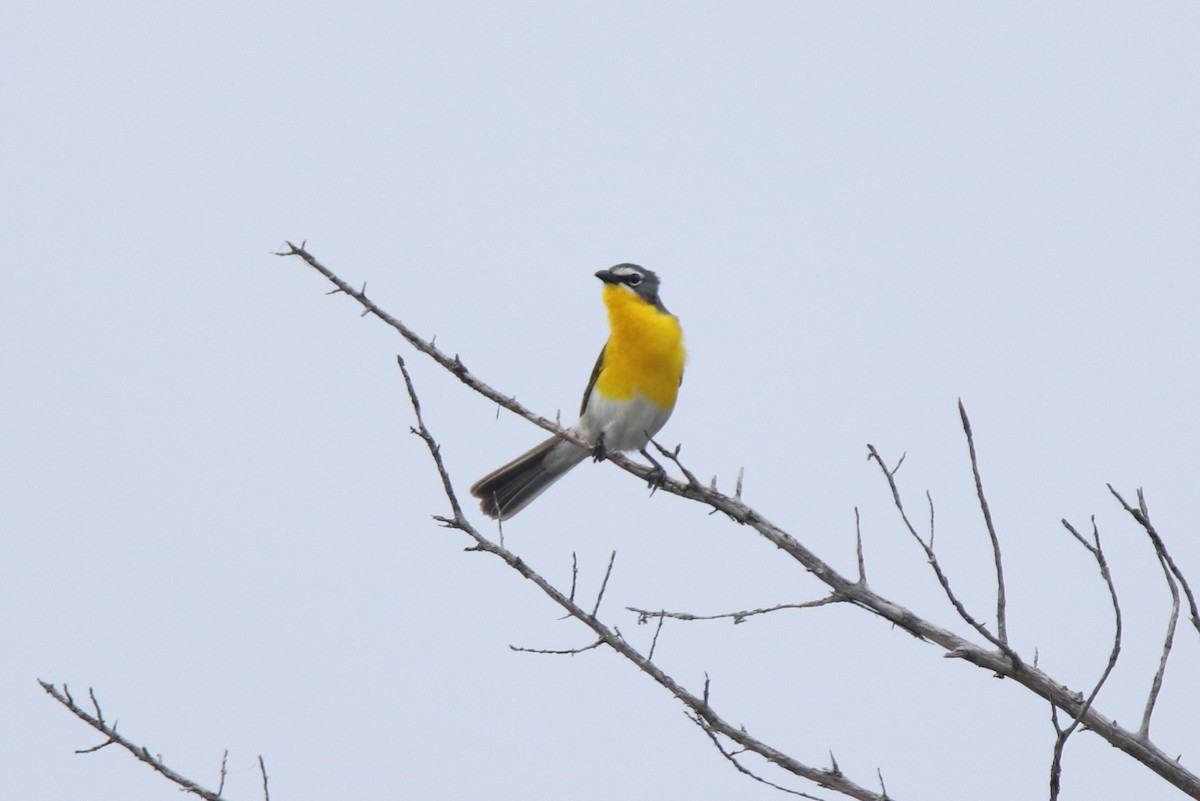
{"x": 634, "y": 279}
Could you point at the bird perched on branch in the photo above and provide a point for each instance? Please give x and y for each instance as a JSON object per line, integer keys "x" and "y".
{"x": 628, "y": 399}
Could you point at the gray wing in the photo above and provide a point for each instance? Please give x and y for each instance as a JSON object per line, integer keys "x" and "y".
{"x": 587, "y": 393}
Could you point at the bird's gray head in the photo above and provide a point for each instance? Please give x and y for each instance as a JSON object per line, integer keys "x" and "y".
{"x": 635, "y": 278}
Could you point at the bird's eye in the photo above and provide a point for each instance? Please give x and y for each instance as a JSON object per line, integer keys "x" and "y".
{"x": 634, "y": 279}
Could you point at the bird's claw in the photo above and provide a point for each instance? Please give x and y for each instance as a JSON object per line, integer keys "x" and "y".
{"x": 656, "y": 478}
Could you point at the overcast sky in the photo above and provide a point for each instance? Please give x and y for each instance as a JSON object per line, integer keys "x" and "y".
{"x": 213, "y": 513}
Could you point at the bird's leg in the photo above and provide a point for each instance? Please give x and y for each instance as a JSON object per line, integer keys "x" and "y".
{"x": 599, "y": 451}
{"x": 658, "y": 474}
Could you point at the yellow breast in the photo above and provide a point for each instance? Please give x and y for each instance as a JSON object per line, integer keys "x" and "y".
{"x": 645, "y": 350}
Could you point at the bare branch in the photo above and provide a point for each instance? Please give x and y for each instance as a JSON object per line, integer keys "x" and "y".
{"x": 932, "y": 518}
{"x": 97, "y": 747}
{"x": 453, "y": 365}
{"x": 1175, "y": 579}
{"x": 699, "y": 707}
{"x": 555, "y": 651}
{"x": 455, "y": 507}
{"x": 95, "y": 705}
{"x": 1156, "y": 683}
{"x": 954, "y": 646}
{"x": 1060, "y": 742}
{"x": 574, "y": 574}
{"x": 604, "y": 584}
{"x": 646, "y": 615}
{"x": 262, "y": 766}
{"x": 1001, "y": 616}
{"x": 673, "y": 455}
{"x": 1014, "y": 661}
{"x": 858, "y": 548}
{"x": 1142, "y": 516}
{"x": 654, "y": 640}
{"x": 140, "y": 752}
{"x": 742, "y": 769}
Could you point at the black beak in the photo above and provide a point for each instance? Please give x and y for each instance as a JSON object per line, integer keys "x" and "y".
{"x": 607, "y": 277}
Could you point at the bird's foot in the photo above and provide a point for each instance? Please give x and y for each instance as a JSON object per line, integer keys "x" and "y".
{"x": 658, "y": 474}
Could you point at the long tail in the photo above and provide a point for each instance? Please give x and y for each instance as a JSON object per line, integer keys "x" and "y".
{"x": 511, "y": 488}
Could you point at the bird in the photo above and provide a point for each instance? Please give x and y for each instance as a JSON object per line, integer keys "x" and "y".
{"x": 629, "y": 397}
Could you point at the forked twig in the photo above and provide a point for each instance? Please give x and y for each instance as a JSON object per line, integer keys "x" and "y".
{"x": 1060, "y": 741}
{"x": 1175, "y": 579}
{"x": 1142, "y": 515}
{"x": 142, "y": 753}
{"x": 1014, "y": 661}
{"x": 673, "y": 455}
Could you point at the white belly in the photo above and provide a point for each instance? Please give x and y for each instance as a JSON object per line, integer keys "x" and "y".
{"x": 627, "y": 425}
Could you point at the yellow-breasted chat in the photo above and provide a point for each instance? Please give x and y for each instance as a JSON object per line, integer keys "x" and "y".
{"x": 628, "y": 399}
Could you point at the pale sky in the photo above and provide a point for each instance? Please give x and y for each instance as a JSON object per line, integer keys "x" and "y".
{"x": 213, "y": 512}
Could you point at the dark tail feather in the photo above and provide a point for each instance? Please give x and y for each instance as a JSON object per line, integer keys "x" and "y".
{"x": 508, "y": 490}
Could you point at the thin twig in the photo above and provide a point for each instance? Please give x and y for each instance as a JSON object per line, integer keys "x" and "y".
{"x": 932, "y": 518}
{"x": 98, "y": 746}
{"x": 654, "y": 640}
{"x": 1156, "y": 683}
{"x": 445, "y": 476}
{"x": 858, "y": 548}
{"x": 574, "y": 574}
{"x": 262, "y": 766}
{"x": 556, "y": 651}
{"x": 646, "y": 615}
{"x": 673, "y": 455}
{"x": 453, "y": 364}
{"x": 1001, "y": 615}
{"x": 604, "y": 584}
{"x": 742, "y": 769}
{"x": 95, "y": 705}
{"x": 224, "y": 762}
